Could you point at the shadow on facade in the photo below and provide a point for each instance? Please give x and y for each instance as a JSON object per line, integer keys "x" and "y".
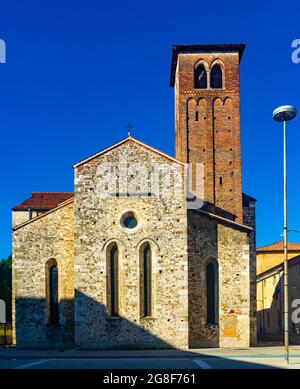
{"x": 33, "y": 328}
{"x": 203, "y": 250}
{"x": 93, "y": 328}
{"x": 271, "y": 319}
{"x": 32, "y": 332}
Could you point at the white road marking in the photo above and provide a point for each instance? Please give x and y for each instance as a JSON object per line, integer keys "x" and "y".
{"x": 32, "y": 364}
{"x": 202, "y": 364}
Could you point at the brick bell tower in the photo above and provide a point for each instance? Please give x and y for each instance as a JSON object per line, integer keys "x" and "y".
{"x": 207, "y": 119}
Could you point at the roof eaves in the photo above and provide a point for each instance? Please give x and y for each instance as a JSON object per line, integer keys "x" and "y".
{"x": 61, "y": 205}
{"x": 224, "y": 220}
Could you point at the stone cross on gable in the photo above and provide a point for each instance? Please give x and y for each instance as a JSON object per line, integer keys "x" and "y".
{"x": 129, "y": 127}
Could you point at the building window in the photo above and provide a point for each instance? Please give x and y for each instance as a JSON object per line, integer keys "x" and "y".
{"x": 129, "y": 221}
{"x": 146, "y": 281}
{"x": 212, "y": 292}
{"x": 200, "y": 77}
{"x": 216, "y": 76}
{"x": 53, "y": 294}
{"x": 113, "y": 282}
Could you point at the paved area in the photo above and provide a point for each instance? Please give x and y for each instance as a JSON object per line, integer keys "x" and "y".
{"x": 254, "y": 358}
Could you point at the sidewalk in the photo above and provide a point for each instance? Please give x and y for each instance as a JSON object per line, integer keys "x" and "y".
{"x": 254, "y": 352}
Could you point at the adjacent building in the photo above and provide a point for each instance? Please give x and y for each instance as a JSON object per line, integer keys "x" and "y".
{"x": 270, "y": 292}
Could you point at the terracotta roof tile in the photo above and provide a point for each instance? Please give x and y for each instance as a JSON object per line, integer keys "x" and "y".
{"x": 278, "y": 246}
{"x": 43, "y": 200}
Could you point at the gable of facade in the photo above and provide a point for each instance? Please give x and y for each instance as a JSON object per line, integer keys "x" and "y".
{"x": 99, "y": 226}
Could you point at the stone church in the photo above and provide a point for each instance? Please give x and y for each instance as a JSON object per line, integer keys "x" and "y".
{"x": 111, "y": 268}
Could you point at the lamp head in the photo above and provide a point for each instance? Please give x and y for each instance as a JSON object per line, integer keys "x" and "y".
{"x": 284, "y": 113}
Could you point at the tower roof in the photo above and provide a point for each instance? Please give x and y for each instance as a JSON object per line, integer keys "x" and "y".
{"x": 203, "y": 48}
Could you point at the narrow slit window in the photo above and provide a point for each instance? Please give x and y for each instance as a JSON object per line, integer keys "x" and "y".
{"x": 212, "y": 293}
{"x": 146, "y": 278}
{"x": 53, "y": 294}
{"x": 114, "y": 281}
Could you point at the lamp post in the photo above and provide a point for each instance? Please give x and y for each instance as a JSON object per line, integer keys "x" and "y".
{"x": 284, "y": 114}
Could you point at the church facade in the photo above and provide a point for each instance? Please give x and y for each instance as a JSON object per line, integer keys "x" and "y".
{"x": 128, "y": 260}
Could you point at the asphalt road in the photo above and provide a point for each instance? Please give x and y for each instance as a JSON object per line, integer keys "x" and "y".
{"x": 251, "y": 358}
{"x": 210, "y": 362}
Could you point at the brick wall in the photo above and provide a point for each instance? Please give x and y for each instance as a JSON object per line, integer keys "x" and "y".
{"x": 208, "y": 128}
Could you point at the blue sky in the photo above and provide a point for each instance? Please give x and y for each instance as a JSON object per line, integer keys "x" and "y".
{"x": 77, "y": 72}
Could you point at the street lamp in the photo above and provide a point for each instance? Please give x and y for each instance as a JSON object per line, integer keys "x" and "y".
{"x": 284, "y": 114}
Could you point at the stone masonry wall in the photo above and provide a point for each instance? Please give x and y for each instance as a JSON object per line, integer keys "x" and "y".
{"x": 47, "y": 238}
{"x": 210, "y": 238}
{"x": 250, "y": 220}
{"x": 161, "y": 222}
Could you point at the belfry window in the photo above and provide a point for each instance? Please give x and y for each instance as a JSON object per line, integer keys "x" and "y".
{"x": 146, "y": 281}
{"x": 216, "y": 77}
{"x": 114, "y": 280}
{"x": 53, "y": 294}
{"x": 212, "y": 292}
{"x": 200, "y": 77}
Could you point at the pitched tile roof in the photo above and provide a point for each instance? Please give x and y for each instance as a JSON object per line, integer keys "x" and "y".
{"x": 278, "y": 246}
{"x": 43, "y": 200}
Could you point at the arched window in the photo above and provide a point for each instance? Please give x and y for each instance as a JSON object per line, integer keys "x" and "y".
{"x": 53, "y": 294}
{"x": 216, "y": 81}
{"x": 146, "y": 281}
{"x": 212, "y": 292}
{"x": 200, "y": 77}
{"x": 114, "y": 280}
